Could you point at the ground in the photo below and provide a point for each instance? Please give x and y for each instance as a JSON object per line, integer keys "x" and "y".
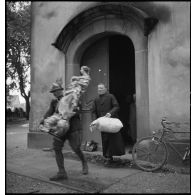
{"x": 123, "y": 177}
{"x": 20, "y": 184}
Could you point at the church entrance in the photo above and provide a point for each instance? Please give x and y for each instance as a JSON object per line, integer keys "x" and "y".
{"x": 112, "y": 62}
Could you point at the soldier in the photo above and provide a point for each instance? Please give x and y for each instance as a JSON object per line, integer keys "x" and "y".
{"x": 73, "y": 135}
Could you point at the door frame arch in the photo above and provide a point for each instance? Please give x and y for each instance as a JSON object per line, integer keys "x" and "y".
{"x": 91, "y": 34}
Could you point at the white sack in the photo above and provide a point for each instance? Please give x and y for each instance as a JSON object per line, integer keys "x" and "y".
{"x": 105, "y": 124}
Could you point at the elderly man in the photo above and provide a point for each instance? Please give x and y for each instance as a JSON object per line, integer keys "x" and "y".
{"x": 107, "y": 105}
{"x": 73, "y": 135}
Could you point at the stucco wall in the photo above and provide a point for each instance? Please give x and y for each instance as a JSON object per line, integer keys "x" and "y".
{"x": 169, "y": 66}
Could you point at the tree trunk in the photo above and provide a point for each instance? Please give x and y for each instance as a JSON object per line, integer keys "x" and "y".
{"x": 27, "y": 107}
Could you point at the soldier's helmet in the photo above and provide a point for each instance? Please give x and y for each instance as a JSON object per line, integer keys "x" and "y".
{"x": 55, "y": 87}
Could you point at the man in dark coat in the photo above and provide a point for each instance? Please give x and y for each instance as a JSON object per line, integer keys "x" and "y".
{"x": 107, "y": 105}
{"x": 73, "y": 135}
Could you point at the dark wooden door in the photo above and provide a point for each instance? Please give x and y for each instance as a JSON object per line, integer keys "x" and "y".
{"x": 97, "y": 59}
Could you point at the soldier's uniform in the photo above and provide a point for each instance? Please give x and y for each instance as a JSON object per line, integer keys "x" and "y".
{"x": 74, "y": 136}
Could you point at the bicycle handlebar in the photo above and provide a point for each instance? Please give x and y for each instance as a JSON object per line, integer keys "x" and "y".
{"x": 167, "y": 129}
{"x": 164, "y": 121}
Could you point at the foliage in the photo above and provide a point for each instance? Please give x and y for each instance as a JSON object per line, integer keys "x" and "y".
{"x": 18, "y": 47}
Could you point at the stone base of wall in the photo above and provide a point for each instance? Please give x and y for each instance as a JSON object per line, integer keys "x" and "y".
{"x": 39, "y": 140}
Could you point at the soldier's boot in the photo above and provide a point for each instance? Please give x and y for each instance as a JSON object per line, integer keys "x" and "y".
{"x": 83, "y": 160}
{"x": 60, "y": 163}
{"x": 59, "y": 176}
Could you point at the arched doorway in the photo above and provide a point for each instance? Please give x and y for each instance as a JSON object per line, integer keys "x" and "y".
{"x": 112, "y": 62}
{"x": 78, "y": 35}
{"x": 90, "y": 36}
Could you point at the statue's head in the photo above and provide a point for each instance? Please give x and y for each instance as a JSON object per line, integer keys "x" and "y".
{"x": 85, "y": 69}
{"x": 56, "y": 88}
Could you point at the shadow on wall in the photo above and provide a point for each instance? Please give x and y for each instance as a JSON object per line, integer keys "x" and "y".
{"x": 46, "y": 14}
{"x": 179, "y": 55}
{"x": 177, "y": 49}
{"x": 161, "y": 12}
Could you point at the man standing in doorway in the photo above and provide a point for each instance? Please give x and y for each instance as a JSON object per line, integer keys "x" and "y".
{"x": 73, "y": 135}
{"x": 107, "y": 105}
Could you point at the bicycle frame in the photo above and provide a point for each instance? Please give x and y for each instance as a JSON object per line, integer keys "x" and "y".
{"x": 167, "y": 142}
{"x": 182, "y": 156}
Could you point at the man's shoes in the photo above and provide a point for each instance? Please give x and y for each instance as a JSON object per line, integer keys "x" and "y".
{"x": 85, "y": 169}
{"x": 130, "y": 151}
{"x": 108, "y": 162}
{"x": 59, "y": 176}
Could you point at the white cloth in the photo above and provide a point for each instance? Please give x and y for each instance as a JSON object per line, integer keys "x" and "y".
{"x": 105, "y": 124}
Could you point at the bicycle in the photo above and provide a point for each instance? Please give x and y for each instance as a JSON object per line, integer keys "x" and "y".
{"x": 150, "y": 153}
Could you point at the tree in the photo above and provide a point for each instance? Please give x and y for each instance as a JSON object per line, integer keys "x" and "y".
{"x": 18, "y": 49}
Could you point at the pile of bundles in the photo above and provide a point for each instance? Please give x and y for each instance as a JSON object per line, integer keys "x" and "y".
{"x": 58, "y": 123}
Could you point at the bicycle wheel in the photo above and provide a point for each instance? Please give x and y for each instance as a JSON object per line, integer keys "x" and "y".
{"x": 149, "y": 154}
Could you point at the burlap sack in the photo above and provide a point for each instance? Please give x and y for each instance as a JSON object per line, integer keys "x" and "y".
{"x": 105, "y": 124}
